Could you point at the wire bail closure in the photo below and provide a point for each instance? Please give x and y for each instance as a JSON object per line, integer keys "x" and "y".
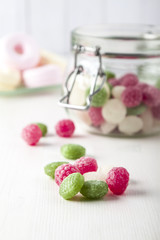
{"x": 78, "y": 69}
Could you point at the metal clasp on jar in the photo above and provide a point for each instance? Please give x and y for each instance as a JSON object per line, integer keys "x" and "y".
{"x": 78, "y": 69}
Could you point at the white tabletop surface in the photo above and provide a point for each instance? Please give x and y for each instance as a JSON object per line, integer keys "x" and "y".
{"x": 30, "y": 206}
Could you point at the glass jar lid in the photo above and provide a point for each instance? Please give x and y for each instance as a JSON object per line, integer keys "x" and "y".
{"x": 128, "y": 41}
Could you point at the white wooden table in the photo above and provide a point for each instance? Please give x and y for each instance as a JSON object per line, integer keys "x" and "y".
{"x": 30, "y": 206}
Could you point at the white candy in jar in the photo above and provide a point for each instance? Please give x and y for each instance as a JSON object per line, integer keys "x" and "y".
{"x": 117, "y": 91}
{"x": 131, "y": 125}
{"x": 114, "y": 111}
{"x": 107, "y": 128}
{"x": 148, "y": 121}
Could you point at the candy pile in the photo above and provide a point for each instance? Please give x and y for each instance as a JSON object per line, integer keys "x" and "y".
{"x": 71, "y": 178}
{"x": 123, "y": 106}
{"x": 32, "y": 133}
{"x": 22, "y": 63}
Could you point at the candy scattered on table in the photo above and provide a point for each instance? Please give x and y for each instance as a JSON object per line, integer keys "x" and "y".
{"x": 86, "y": 164}
{"x": 31, "y": 134}
{"x": 43, "y": 128}
{"x": 50, "y": 168}
{"x": 63, "y": 171}
{"x": 65, "y": 128}
{"x": 94, "y": 189}
{"x": 73, "y": 151}
{"x": 117, "y": 180}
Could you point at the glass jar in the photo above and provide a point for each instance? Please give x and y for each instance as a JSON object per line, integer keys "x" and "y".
{"x": 113, "y": 85}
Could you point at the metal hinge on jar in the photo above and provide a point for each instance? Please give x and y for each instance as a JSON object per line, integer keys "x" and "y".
{"x": 78, "y": 69}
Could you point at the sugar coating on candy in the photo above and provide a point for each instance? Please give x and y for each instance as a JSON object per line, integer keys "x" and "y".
{"x": 151, "y": 96}
{"x": 31, "y": 134}
{"x": 114, "y": 82}
{"x": 131, "y": 97}
{"x": 86, "y": 164}
{"x": 114, "y": 111}
{"x": 117, "y": 91}
{"x": 50, "y": 168}
{"x": 131, "y": 125}
{"x": 107, "y": 128}
{"x": 129, "y": 80}
{"x": 99, "y": 98}
{"x": 63, "y": 171}
{"x": 95, "y": 114}
{"x": 43, "y": 128}
{"x": 100, "y": 174}
{"x": 73, "y": 151}
{"x": 71, "y": 185}
{"x": 94, "y": 189}
{"x": 148, "y": 121}
{"x": 156, "y": 112}
{"x": 117, "y": 180}
{"x": 136, "y": 110}
{"x": 110, "y": 74}
{"x": 65, "y": 128}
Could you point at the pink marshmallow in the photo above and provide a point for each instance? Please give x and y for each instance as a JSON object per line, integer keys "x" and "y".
{"x": 42, "y": 76}
{"x": 19, "y": 51}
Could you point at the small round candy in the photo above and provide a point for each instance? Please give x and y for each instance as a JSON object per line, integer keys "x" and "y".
{"x": 86, "y": 164}
{"x": 132, "y": 97}
{"x": 107, "y": 128}
{"x": 50, "y": 168}
{"x": 65, "y": 128}
{"x": 148, "y": 121}
{"x": 99, "y": 98}
{"x": 94, "y": 189}
{"x": 73, "y": 151}
{"x": 63, "y": 171}
{"x": 129, "y": 79}
{"x": 131, "y": 125}
{"x": 71, "y": 185}
{"x": 151, "y": 96}
{"x": 117, "y": 91}
{"x": 136, "y": 110}
{"x": 31, "y": 134}
{"x": 114, "y": 111}
{"x": 117, "y": 180}
{"x": 95, "y": 114}
{"x": 43, "y": 128}
{"x": 110, "y": 75}
{"x": 19, "y": 51}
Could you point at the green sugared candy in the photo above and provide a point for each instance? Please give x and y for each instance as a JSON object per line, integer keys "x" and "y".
{"x": 136, "y": 110}
{"x": 50, "y": 168}
{"x": 71, "y": 185}
{"x": 43, "y": 128}
{"x": 94, "y": 189}
{"x": 110, "y": 75}
{"x": 99, "y": 99}
{"x": 73, "y": 151}
{"x": 158, "y": 84}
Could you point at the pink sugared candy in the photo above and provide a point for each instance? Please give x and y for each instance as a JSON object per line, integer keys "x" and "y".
{"x": 129, "y": 80}
{"x": 86, "y": 164}
{"x": 114, "y": 82}
{"x": 151, "y": 96}
{"x": 31, "y": 134}
{"x": 95, "y": 114}
{"x": 65, "y": 128}
{"x": 117, "y": 180}
{"x": 63, "y": 171}
{"x": 131, "y": 96}
{"x": 156, "y": 112}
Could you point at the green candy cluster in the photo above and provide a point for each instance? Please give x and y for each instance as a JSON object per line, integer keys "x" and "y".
{"x": 73, "y": 151}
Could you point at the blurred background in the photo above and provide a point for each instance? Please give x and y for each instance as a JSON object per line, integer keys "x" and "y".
{"x": 50, "y": 21}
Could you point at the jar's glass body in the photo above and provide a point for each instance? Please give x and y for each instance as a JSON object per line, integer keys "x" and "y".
{"x": 128, "y": 103}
